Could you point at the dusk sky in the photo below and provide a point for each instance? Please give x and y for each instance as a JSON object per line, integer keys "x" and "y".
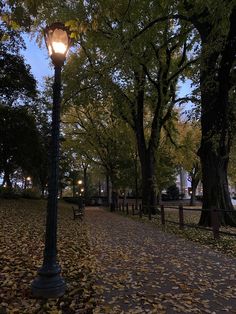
{"x": 38, "y": 59}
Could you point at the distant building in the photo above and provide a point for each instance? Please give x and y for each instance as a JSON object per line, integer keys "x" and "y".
{"x": 183, "y": 183}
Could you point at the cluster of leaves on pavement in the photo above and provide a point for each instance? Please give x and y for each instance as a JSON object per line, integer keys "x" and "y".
{"x": 21, "y": 250}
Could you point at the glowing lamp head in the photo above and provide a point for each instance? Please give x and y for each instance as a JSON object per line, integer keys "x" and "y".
{"x": 57, "y": 38}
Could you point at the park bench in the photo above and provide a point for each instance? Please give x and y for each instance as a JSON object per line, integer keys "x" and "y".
{"x": 78, "y": 212}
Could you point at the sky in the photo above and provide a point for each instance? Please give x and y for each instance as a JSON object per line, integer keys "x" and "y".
{"x": 38, "y": 59}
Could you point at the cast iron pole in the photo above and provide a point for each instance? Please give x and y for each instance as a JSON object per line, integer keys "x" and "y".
{"x": 49, "y": 283}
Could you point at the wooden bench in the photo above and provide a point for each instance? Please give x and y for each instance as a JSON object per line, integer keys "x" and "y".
{"x": 78, "y": 212}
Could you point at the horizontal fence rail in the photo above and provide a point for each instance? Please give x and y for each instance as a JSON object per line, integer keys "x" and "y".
{"x": 138, "y": 210}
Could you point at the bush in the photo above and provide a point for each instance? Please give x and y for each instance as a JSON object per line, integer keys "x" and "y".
{"x": 6, "y": 192}
{"x": 31, "y": 194}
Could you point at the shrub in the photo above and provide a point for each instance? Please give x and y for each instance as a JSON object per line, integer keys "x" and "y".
{"x": 6, "y": 192}
{"x": 31, "y": 194}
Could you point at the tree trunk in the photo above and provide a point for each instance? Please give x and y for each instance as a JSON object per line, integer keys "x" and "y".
{"x": 215, "y": 144}
{"x": 6, "y": 180}
{"x": 149, "y": 190}
{"x": 109, "y": 190}
{"x": 194, "y": 183}
{"x": 215, "y": 188}
{"x": 136, "y": 179}
{"x": 85, "y": 184}
{"x": 216, "y": 113}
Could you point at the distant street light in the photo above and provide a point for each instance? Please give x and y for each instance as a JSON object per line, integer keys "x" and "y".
{"x": 26, "y": 182}
{"x": 49, "y": 283}
{"x": 80, "y": 182}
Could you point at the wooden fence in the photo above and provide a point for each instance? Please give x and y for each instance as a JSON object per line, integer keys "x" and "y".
{"x": 132, "y": 209}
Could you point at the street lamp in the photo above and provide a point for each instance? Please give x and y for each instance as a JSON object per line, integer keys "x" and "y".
{"x": 80, "y": 182}
{"x": 49, "y": 283}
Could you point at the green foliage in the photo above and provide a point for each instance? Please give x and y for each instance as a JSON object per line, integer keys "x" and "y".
{"x": 136, "y": 66}
{"x": 19, "y": 141}
{"x": 166, "y": 166}
{"x": 96, "y": 135}
{"x": 17, "y": 84}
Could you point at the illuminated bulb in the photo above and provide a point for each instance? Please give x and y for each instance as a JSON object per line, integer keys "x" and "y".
{"x": 58, "y": 47}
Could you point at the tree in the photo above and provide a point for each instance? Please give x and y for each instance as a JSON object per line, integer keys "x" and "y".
{"x": 216, "y": 24}
{"x": 189, "y": 134}
{"x": 97, "y": 136}
{"x": 123, "y": 51}
{"x": 140, "y": 72}
{"x": 19, "y": 142}
{"x": 17, "y": 84}
{"x": 232, "y": 164}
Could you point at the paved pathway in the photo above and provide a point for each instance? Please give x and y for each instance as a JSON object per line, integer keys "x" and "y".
{"x": 140, "y": 269}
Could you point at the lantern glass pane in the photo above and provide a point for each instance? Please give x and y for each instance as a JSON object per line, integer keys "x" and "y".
{"x": 59, "y": 41}
{"x": 48, "y": 43}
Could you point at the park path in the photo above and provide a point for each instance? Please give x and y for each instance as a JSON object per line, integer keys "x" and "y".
{"x": 140, "y": 269}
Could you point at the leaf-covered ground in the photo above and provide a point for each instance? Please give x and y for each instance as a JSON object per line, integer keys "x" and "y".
{"x": 112, "y": 264}
{"x": 140, "y": 269}
{"x": 21, "y": 249}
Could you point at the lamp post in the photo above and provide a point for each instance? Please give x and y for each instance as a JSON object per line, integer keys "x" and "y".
{"x": 49, "y": 283}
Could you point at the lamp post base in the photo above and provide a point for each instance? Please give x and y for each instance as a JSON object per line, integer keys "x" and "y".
{"x": 48, "y": 286}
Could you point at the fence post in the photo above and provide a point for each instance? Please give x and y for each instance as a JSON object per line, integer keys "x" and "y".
{"x": 215, "y": 223}
{"x": 181, "y": 217}
{"x": 133, "y": 209}
{"x": 162, "y": 215}
{"x": 127, "y": 208}
{"x": 140, "y": 210}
